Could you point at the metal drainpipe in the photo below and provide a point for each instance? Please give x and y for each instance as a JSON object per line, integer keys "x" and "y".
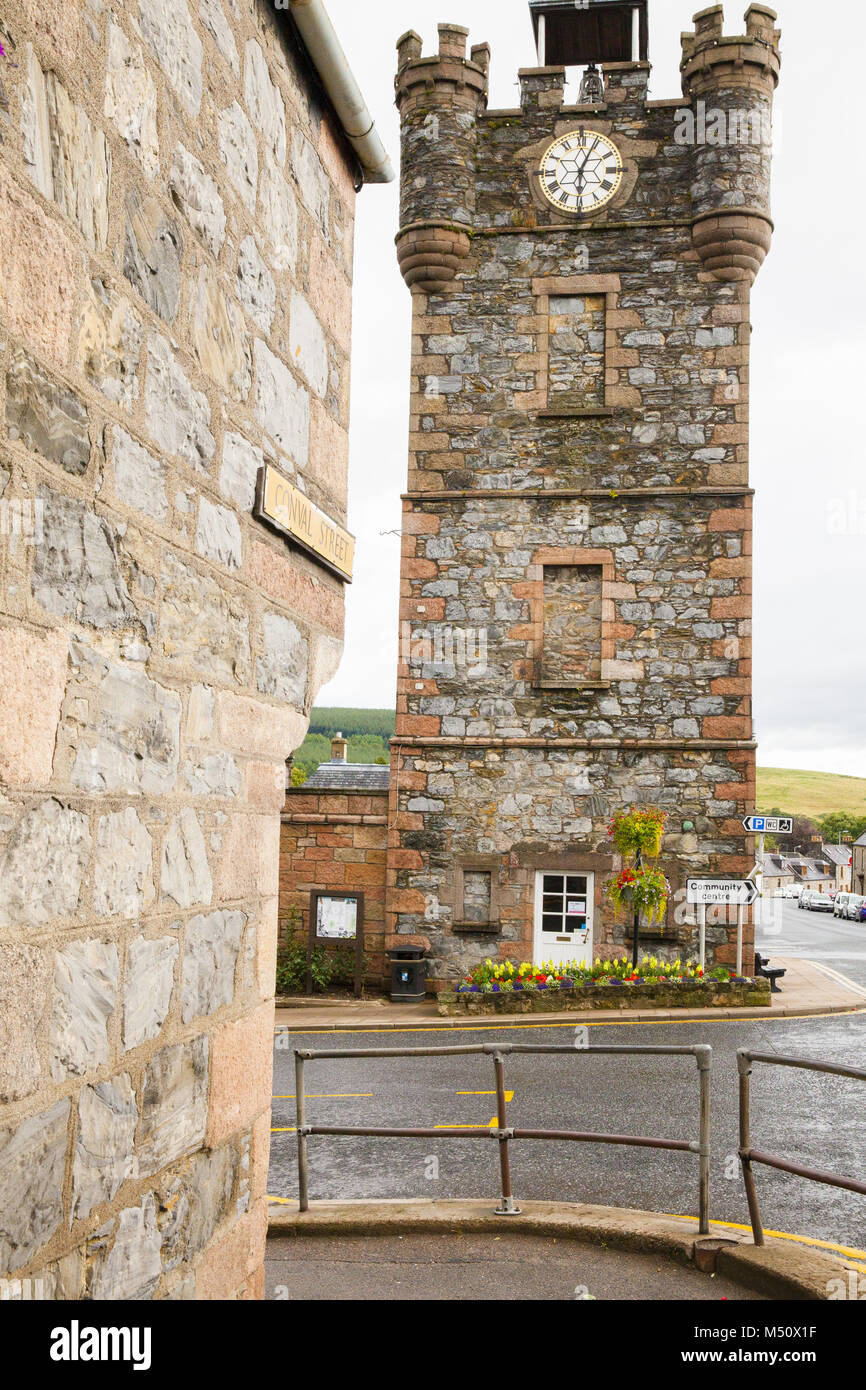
{"x": 324, "y": 48}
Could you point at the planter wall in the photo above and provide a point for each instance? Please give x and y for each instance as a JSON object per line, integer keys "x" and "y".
{"x": 690, "y": 994}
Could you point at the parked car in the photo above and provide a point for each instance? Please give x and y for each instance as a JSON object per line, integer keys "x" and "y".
{"x": 804, "y": 896}
{"x": 861, "y": 916}
{"x": 856, "y": 901}
{"x": 840, "y": 905}
{"x": 793, "y": 890}
{"x": 820, "y": 902}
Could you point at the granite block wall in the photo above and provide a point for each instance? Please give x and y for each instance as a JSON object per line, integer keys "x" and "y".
{"x": 176, "y": 222}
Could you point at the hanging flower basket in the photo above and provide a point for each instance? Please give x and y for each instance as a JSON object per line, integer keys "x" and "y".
{"x": 638, "y": 830}
{"x": 644, "y": 890}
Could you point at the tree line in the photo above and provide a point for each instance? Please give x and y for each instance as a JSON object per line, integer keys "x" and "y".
{"x": 811, "y": 832}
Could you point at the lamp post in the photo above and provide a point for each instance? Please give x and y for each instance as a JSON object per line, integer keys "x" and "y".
{"x": 638, "y": 864}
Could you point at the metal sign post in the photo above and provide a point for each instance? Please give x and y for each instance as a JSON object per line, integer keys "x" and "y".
{"x": 761, "y": 826}
{"x": 720, "y": 892}
{"x": 759, "y": 878}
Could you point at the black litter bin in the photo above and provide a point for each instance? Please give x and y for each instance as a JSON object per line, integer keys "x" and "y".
{"x": 408, "y": 973}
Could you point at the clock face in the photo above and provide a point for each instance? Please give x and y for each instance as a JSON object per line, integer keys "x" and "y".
{"x": 580, "y": 172}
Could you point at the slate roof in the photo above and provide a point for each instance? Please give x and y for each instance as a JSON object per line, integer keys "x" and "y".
{"x": 862, "y": 840}
{"x": 341, "y": 776}
{"x": 775, "y": 864}
{"x": 837, "y": 854}
{"x": 813, "y": 869}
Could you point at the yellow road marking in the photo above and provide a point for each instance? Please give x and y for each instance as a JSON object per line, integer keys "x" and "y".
{"x": 839, "y": 978}
{"x": 286, "y": 1129}
{"x": 849, "y": 1251}
{"x": 283, "y": 1201}
{"x": 509, "y": 1095}
{"x": 329, "y": 1095}
{"x": 574, "y": 1023}
{"x": 492, "y": 1125}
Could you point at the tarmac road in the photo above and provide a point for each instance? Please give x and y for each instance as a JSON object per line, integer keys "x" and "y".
{"x": 818, "y": 1120}
{"x": 818, "y": 936}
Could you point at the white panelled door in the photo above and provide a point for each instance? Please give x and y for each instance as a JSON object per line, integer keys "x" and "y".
{"x": 563, "y": 917}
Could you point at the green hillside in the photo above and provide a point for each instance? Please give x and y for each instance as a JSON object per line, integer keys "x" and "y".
{"x": 796, "y": 792}
{"x": 810, "y": 794}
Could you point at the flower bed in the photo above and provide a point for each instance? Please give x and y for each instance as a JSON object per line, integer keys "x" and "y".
{"x": 506, "y": 988}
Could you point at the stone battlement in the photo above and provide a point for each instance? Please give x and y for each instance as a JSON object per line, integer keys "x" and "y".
{"x": 711, "y": 58}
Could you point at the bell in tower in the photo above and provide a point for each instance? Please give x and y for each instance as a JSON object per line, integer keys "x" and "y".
{"x": 570, "y": 34}
{"x": 591, "y": 86}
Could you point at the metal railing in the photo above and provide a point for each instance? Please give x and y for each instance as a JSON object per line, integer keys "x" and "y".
{"x": 748, "y": 1155}
{"x": 501, "y": 1131}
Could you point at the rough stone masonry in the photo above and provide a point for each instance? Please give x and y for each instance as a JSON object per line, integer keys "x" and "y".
{"x": 176, "y": 220}
{"x": 578, "y": 490}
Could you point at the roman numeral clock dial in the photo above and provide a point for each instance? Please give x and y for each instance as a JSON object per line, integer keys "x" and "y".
{"x": 581, "y": 172}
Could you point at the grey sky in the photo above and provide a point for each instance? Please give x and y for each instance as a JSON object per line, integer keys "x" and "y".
{"x": 807, "y": 374}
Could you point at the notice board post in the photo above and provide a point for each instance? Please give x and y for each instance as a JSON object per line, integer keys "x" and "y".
{"x": 336, "y": 916}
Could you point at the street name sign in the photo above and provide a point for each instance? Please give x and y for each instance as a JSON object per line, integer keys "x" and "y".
{"x": 288, "y": 510}
{"x": 739, "y": 892}
{"x": 769, "y": 825}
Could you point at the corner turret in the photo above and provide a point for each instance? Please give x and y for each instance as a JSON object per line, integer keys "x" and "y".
{"x": 729, "y": 83}
{"x": 439, "y": 100}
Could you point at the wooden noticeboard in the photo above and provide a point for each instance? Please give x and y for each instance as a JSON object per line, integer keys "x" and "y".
{"x": 337, "y": 917}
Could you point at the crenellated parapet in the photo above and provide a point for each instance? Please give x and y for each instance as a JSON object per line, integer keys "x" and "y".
{"x": 730, "y": 82}
{"x": 748, "y": 60}
{"x": 439, "y": 99}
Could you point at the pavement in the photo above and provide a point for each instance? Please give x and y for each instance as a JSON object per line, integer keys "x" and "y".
{"x": 442, "y": 1267}
{"x": 808, "y": 988}
{"x": 443, "y": 1250}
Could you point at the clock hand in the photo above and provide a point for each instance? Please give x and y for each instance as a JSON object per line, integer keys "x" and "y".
{"x": 588, "y": 153}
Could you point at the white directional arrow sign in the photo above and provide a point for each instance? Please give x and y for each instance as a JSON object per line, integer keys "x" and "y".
{"x": 738, "y": 892}
{"x": 769, "y": 825}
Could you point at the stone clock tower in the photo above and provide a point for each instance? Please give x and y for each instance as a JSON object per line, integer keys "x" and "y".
{"x": 576, "y": 574}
